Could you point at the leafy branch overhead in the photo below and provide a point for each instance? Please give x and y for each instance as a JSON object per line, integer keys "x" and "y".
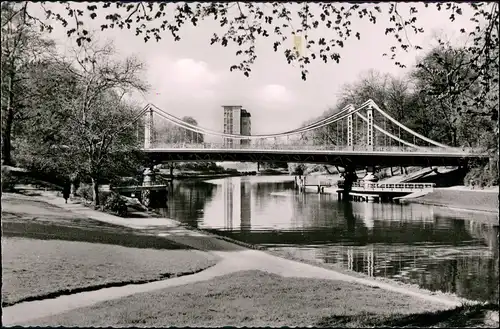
{"x": 245, "y": 22}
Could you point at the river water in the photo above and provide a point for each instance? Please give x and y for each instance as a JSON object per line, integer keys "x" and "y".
{"x": 433, "y": 247}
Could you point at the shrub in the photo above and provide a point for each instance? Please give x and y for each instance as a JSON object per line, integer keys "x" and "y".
{"x": 481, "y": 176}
{"x": 85, "y": 191}
{"x": 8, "y": 180}
{"x": 124, "y": 181}
{"x": 382, "y": 174}
{"x": 297, "y": 169}
{"x": 103, "y": 197}
{"x": 116, "y": 203}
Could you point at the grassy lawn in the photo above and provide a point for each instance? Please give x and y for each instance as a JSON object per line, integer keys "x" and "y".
{"x": 249, "y": 298}
{"x": 35, "y": 268}
{"x": 48, "y": 251}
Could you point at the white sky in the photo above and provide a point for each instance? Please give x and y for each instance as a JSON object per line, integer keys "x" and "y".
{"x": 192, "y": 78}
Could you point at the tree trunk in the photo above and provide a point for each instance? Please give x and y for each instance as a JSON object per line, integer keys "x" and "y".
{"x": 75, "y": 183}
{"x": 6, "y": 150}
{"x": 9, "y": 120}
{"x": 95, "y": 191}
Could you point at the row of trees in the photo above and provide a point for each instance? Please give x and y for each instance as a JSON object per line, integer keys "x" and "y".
{"x": 170, "y": 133}
{"x": 66, "y": 115}
{"x": 437, "y": 99}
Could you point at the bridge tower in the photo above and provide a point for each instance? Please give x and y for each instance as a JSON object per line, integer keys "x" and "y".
{"x": 350, "y": 143}
{"x": 149, "y": 129}
{"x": 369, "y": 128}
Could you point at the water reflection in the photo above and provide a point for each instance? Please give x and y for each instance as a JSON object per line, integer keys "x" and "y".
{"x": 237, "y": 204}
{"x": 433, "y": 247}
{"x": 246, "y": 206}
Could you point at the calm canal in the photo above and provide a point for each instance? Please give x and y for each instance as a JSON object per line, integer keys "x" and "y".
{"x": 433, "y": 247}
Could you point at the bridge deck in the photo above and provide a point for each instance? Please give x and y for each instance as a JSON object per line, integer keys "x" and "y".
{"x": 334, "y": 157}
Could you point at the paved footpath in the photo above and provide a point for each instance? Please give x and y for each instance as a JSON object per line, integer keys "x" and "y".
{"x": 234, "y": 258}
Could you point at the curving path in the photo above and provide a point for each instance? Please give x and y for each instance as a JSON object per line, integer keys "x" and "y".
{"x": 234, "y": 258}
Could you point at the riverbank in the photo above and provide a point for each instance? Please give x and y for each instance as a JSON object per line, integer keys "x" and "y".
{"x": 461, "y": 198}
{"x": 236, "y": 260}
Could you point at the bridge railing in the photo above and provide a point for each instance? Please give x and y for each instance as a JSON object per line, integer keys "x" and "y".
{"x": 394, "y": 187}
{"x": 285, "y": 147}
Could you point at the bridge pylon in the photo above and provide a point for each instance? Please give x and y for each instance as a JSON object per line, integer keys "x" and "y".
{"x": 369, "y": 128}
{"x": 350, "y": 143}
{"x": 149, "y": 129}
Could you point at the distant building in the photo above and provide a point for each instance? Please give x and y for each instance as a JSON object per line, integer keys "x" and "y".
{"x": 246, "y": 126}
{"x": 236, "y": 121}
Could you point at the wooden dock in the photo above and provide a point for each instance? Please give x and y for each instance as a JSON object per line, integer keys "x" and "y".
{"x": 139, "y": 188}
{"x": 318, "y": 184}
{"x": 375, "y": 192}
{"x": 364, "y": 197}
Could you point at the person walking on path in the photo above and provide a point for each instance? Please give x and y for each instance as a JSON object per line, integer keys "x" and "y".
{"x": 66, "y": 190}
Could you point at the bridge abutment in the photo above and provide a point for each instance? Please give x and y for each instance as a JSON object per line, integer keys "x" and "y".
{"x": 148, "y": 180}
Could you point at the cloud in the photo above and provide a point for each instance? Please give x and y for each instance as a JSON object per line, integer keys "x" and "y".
{"x": 188, "y": 71}
{"x": 275, "y": 94}
{"x": 185, "y": 77}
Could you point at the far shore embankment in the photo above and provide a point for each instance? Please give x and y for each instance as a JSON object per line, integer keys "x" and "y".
{"x": 203, "y": 175}
{"x": 461, "y": 198}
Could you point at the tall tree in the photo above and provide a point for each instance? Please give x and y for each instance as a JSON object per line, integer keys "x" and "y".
{"x": 41, "y": 145}
{"x": 191, "y": 136}
{"x": 22, "y": 49}
{"x": 443, "y": 84}
{"x": 100, "y": 123}
{"x": 170, "y": 133}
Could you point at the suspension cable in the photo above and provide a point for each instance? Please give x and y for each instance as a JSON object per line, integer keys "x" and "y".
{"x": 330, "y": 119}
{"x": 388, "y": 133}
{"x": 414, "y": 133}
{"x": 191, "y": 127}
{"x": 323, "y": 122}
{"x": 337, "y": 125}
{"x": 316, "y": 124}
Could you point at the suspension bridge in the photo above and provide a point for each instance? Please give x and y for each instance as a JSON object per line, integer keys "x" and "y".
{"x": 351, "y": 138}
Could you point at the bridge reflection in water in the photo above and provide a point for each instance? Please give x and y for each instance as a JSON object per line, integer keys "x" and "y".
{"x": 435, "y": 248}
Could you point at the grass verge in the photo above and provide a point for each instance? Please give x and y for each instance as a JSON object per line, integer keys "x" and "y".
{"x": 249, "y": 298}
{"x": 466, "y": 316}
{"x": 471, "y": 200}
